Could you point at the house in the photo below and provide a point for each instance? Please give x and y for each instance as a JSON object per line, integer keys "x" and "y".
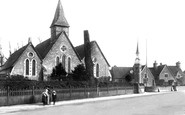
{"x": 125, "y": 75}
{"x": 37, "y": 62}
{"x": 177, "y": 73}
{"x": 136, "y": 74}
{"x": 162, "y": 74}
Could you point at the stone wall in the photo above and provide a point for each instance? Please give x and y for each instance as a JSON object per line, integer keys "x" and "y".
{"x": 50, "y": 60}
{"x": 20, "y": 67}
{"x": 98, "y": 58}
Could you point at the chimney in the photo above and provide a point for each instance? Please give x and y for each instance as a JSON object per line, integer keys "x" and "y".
{"x": 86, "y": 37}
{"x": 178, "y": 64}
{"x": 155, "y": 65}
{"x": 161, "y": 64}
{"x": 88, "y": 61}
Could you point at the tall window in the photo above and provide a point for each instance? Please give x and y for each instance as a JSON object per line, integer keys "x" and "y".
{"x": 57, "y": 61}
{"x": 69, "y": 64}
{"x": 33, "y": 67}
{"x": 97, "y": 70}
{"x": 64, "y": 61}
{"x": 27, "y": 67}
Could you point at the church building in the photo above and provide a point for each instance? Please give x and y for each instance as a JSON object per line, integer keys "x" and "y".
{"x": 32, "y": 61}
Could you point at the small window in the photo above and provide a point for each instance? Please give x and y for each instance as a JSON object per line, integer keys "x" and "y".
{"x": 30, "y": 54}
{"x": 63, "y": 48}
{"x": 166, "y": 75}
{"x": 179, "y": 76}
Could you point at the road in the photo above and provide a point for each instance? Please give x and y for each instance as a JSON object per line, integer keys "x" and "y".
{"x": 172, "y": 103}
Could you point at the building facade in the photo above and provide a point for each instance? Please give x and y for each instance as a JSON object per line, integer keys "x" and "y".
{"x": 31, "y": 62}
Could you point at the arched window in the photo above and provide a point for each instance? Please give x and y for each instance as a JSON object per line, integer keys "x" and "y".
{"x": 97, "y": 70}
{"x": 69, "y": 64}
{"x": 33, "y": 67}
{"x": 94, "y": 70}
{"x": 57, "y": 61}
{"x": 64, "y": 61}
{"x": 27, "y": 67}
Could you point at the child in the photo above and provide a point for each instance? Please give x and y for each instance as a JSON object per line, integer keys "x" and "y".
{"x": 54, "y": 96}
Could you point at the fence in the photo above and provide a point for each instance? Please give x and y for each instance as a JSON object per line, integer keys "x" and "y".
{"x": 12, "y": 97}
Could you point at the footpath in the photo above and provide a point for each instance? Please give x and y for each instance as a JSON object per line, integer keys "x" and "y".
{"x": 27, "y": 107}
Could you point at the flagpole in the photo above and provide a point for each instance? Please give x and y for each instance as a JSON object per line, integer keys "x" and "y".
{"x": 146, "y": 64}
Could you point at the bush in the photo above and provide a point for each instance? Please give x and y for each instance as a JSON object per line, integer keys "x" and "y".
{"x": 161, "y": 82}
{"x": 170, "y": 82}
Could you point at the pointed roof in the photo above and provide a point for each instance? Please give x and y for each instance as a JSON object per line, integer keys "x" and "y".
{"x": 44, "y": 47}
{"x": 15, "y": 56}
{"x": 81, "y": 52}
{"x": 121, "y": 72}
{"x": 156, "y": 72}
{"x": 137, "y": 50}
{"x": 59, "y": 18}
{"x": 174, "y": 70}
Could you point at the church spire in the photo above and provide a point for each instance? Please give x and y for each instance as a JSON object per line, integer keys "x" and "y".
{"x": 137, "y": 60}
{"x": 59, "y": 18}
{"x": 59, "y": 23}
{"x": 137, "y": 50}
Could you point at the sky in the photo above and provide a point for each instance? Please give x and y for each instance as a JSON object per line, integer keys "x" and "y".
{"x": 116, "y": 25}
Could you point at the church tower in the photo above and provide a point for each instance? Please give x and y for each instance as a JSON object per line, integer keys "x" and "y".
{"x": 59, "y": 23}
{"x": 137, "y": 67}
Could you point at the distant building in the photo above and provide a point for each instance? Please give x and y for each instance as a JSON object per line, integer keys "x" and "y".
{"x": 37, "y": 62}
{"x": 136, "y": 74}
{"x": 165, "y": 75}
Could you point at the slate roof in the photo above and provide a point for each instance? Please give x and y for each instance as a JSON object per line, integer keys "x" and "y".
{"x": 15, "y": 56}
{"x": 157, "y": 71}
{"x": 174, "y": 70}
{"x": 59, "y": 18}
{"x": 44, "y": 47}
{"x": 120, "y": 72}
{"x": 80, "y": 50}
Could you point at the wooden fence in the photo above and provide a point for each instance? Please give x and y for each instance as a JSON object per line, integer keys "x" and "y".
{"x": 12, "y": 97}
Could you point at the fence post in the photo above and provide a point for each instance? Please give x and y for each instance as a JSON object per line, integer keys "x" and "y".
{"x": 125, "y": 90}
{"x": 116, "y": 89}
{"x": 33, "y": 93}
{"x": 70, "y": 92}
{"x": 8, "y": 94}
{"x": 85, "y": 91}
{"x": 107, "y": 89}
{"x": 97, "y": 91}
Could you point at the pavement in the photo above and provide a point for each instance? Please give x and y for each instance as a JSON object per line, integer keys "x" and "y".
{"x": 27, "y": 107}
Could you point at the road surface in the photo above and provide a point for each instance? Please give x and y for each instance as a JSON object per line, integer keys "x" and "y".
{"x": 172, "y": 103}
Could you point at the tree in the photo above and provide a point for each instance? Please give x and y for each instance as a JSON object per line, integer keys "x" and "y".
{"x": 58, "y": 72}
{"x": 79, "y": 73}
